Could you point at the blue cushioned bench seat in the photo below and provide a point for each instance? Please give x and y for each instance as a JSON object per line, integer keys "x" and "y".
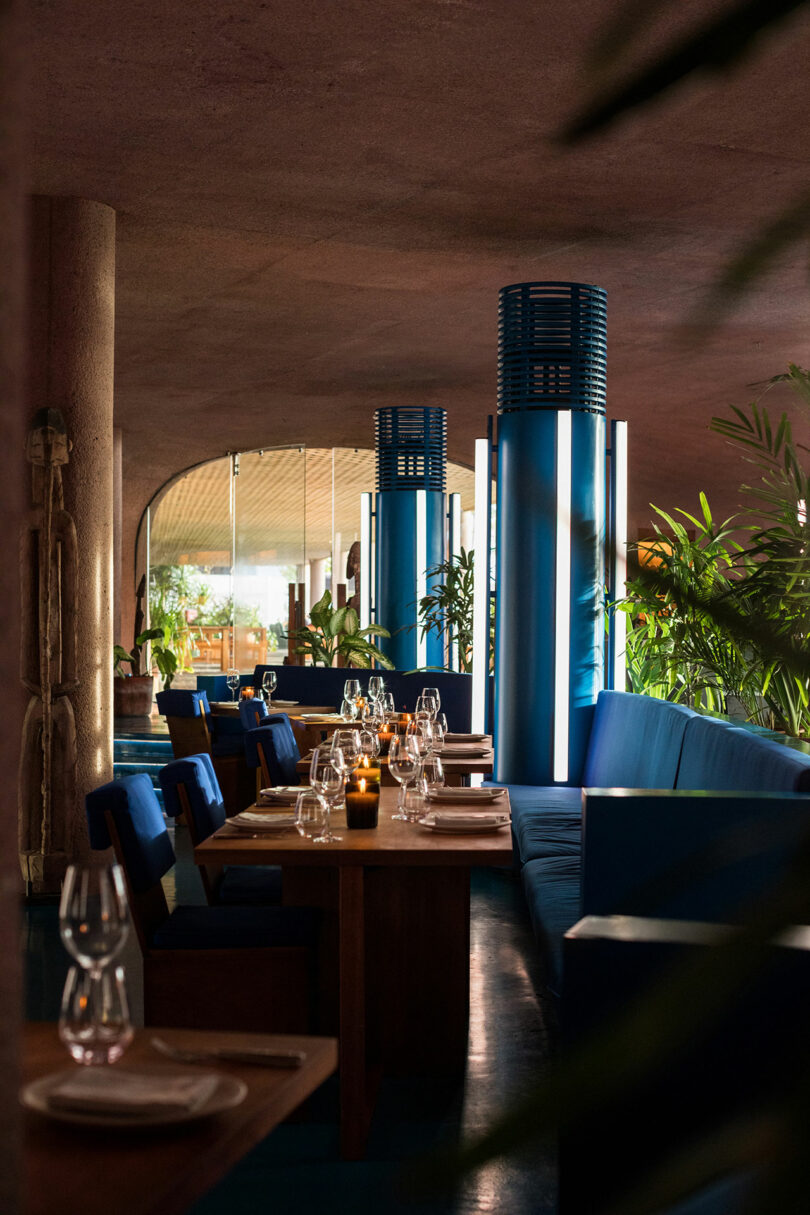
{"x": 636, "y": 743}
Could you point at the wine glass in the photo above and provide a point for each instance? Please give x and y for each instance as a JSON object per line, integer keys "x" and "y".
{"x": 269, "y": 681}
{"x": 232, "y": 680}
{"x": 434, "y": 694}
{"x": 346, "y": 748}
{"x": 376, "y": 687}
{"x": 94, "y": 1021}
{"x": 326, "y": 778}
{"x": 433, "y": 773}
{"x": 427, "y": 704}
{"x": 348, "y": 709}
{"x": 351, "y": 689}
{"x": 403, "y": 764}
{"x": 369, "y": 741}
{"x": 93, "y": 914}
{"x": 309, "y": 814}
{"x": 388, "y": 704}
{"x": 439, "y": 726}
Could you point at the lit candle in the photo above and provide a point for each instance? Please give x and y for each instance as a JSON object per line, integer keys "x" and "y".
{"x": 367, "y": 769}
{"x": 362, "y": 804}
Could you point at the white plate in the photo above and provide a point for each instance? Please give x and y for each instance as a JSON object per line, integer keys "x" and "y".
{"x": 228, "y": 1093}
{"x": 283, "y": 704}
{"x": 281, "y": 795}
{"x": 466, "y": 828}
{"x": 451, "y": 795}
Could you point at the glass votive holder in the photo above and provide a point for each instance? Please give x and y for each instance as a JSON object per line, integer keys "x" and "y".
{"x": 367, "y": 769}
{"x": 362, "y": 803}
{"x": 94, "y": 1021}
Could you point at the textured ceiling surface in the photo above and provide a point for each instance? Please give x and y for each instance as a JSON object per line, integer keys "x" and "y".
{"x": 317, "y": 205}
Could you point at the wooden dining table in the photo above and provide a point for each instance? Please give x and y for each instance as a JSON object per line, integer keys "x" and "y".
{"x": 397, "y": 974}
{"x": 158, "y": 1170}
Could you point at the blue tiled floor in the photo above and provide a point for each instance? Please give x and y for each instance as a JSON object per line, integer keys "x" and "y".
{"x": 297, "y": 1169}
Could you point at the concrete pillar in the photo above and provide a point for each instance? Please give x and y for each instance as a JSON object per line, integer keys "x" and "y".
{"x": 13, "y": 503}
{"x": 71, "y": 330}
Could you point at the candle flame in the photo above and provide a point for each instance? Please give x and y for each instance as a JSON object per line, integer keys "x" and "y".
{"x": 362, "y": 785}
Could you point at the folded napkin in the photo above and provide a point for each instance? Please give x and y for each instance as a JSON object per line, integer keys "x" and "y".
{"x": 281, "y": 795}
{"x": 285, "y": 704}
{"x": 111, "y": 1091}
{"x": 466, "y": 821}
{"x": 450, "y": 794}
{"x": 251, "y": 820}
{"x": 316, "y": 717}
{"x": 464, "y": 750}
{"x": 465, "y": 738}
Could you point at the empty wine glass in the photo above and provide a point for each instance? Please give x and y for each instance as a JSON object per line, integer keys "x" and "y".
{"x": 269, "y": 681}
{"x": 376, "y": 687}
{"x": 388, "y": 704}
{"x": 309, "y": 814}
{"x": 433, "y": 773}
{"x": 440, "y": 724}
{"x": 403, "y": 764}
{"x": 369, "y": 741}
{"x": 232, "y": 680}
{"x": 93, "y": 914}
{"x": 434, "y": 694}
{"x": 348, "y": 709}
{"x": 351, "y": 689}
{"x": 94, "y": 1021}
{"x": 427, "y": 704}
{"x": 326, "y": 778}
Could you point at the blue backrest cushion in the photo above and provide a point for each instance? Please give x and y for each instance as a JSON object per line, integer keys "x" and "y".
{"x": 227, "y": 734}
{"x": 280, "y": 752}
{"x": 133, "y": 804}
{"x": 635, "y": 742}
{"x": 182, "y": 702}
{"x": 717, "y": 755}
{"x": 196, "y": 773}
{"x": 252, "y": 712}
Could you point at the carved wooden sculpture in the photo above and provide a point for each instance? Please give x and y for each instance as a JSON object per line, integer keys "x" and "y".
{"x": 48, "y": 571}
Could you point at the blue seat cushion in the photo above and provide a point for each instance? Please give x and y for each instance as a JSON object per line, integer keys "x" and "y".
{"x": 548, "y": 835}
{"x": 635, "y": 742}
{"x": 250, "y": 885}
{"x": 196, "y": 774}
{"x": 281, "y": 753}
{"x": 227, "y": 735}
{"x": 720, "y": 756}
{"x": 252, "y": 712}
{"x": 135, "y": 810}
{"x": 552, "y": 887}
{"x": 181, "y": 702}
{"x": 237, "y": 928}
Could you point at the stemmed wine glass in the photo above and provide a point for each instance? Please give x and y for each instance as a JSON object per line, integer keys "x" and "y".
{"x": 269, "y": 681}
{"x": 94, "y": 1020}
{"x": 346, "y": 747}
{"x": 232, "y": 680}
{"x": 427, "y": 703}
{"x": 403, "y": 764}
{"x": 376, "y": 687}
{"x": 433, "y": 693}
{"x": 326, "y": 778}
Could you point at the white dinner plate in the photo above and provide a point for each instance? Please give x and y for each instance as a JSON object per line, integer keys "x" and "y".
{"x": 466, "y": 827}
{"x": 229, "y": 1092}
{"x": 281, "y": 795}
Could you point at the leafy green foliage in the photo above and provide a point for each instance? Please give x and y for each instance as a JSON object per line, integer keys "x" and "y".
{"x": 447, "y": 610}
{"x": 163, "y": 655}
{"x": 336, "y": 632}
{"x": 722, "y": 615}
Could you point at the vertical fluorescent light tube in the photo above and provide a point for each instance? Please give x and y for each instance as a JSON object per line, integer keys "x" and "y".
{"x": 365, "y": 560}
{"x": 480, "y": 586}
{"x": 421, "y": 569}
{"x": 618, "y": 623}
{"x": 562, "y": 617}
{"x": 454, "y": 549}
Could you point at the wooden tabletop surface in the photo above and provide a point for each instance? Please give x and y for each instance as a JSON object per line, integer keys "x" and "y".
{"x": 390, "y": 843}
{"x": 158, "y": 1171}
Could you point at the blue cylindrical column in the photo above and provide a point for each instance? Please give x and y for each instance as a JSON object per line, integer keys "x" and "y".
{"x": 551, "y": 522}
{"x": 411, "y": 470}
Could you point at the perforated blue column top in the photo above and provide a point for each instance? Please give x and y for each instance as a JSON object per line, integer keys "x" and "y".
{"x": 411, "y": 448}
{"x": 552, "y": 347}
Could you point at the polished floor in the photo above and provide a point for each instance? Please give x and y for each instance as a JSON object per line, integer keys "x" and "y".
{"x": 297, "y": 1169}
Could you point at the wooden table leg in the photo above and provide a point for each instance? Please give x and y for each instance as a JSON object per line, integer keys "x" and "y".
{"x": 355, "y": 1108}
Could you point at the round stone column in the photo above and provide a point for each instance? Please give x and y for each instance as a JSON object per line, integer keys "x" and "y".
{"x": 71, "y": 332}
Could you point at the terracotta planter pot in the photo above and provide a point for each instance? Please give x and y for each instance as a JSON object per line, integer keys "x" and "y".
{"x": 132, "y": 696}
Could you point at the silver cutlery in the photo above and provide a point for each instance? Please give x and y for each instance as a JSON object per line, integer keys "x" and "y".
{"x": 260, "y": 1055}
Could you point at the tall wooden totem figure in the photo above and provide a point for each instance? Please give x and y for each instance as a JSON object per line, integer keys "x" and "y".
{"x": 48, "y": 571}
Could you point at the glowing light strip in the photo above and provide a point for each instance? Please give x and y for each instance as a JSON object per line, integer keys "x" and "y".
{"x": 421, "y": 570}
{"x": 365, "y": 560}
{"x": 562, "y": 620}
{"x": 454, "y": 548}
{"x": 480, "y": 587}
{"x": 618, "y": 622}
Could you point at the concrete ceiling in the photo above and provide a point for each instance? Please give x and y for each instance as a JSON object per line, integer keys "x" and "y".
{"x": 317, "y": 205}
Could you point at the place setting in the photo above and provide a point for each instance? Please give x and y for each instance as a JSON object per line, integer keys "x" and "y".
{"x": 96, "y": 1028}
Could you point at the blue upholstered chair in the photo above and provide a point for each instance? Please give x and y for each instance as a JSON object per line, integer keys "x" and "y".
{"x": 190, "y": 787}
{"x": 273, "y": 750}
{"x": 252, "y": 712}
{"x": 187, "y": 715}
{"x": 241, "y": 968}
